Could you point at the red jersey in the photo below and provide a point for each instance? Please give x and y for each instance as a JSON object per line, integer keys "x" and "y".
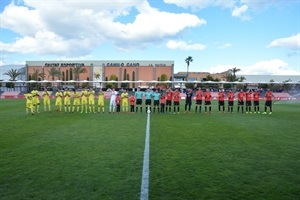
{"x": 248, "y": 96}
{"x": 199, "y": 95}
{"x": 207, "y": 96}
{"x": 132, "y": 100}
{"x": 230, "y": 96}
{"x": 221, "y": 96}
{"x": 162, "y": 99}
{"x": 241, "y": 96}
{"x": 256, "y": 96}
{"x": 269, "y": 95}
{"x": 176, "y": 96}
{"x": 169, "y": 95}
{"x": 118, "y": 100}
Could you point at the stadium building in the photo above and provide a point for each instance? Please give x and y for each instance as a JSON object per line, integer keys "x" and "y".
{"x": 101, "y": 70}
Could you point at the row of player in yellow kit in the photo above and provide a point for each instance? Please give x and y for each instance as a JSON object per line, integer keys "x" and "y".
{"x": 63, "y": 97}
{"x": 87, "y": 98}
{"x": 32, "y": 101}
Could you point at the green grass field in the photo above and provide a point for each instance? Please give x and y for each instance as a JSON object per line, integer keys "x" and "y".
{"x": 192, "y": 156}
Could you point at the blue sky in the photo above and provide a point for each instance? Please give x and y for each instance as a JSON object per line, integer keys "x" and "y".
{"x": 258, "y": 37}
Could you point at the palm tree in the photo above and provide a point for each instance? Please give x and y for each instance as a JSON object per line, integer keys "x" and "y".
{"x": 231, "y": 75}
{"x": 36, "y": 74}
{"x": 241, "y": 78}
{"x": 188, "y": 60}
{"x": 53, "y": 72}
{"x": 13, "y": 74}
{"x": 77, "y": 71}
{"x": 228, "y": 76}
{"x": 234, "y": 70}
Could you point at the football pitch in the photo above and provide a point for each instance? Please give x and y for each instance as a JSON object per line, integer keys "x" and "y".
{"x": 192, "y": 156}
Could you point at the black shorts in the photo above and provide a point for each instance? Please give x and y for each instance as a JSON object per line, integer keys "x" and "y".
{"x": 240, "y": 102}
{"x": 207, "y": 103}
{"x": 176, "y": 103}
{"x": 198, "y": 102}
{"x": 139, "y": 102}
{"x": 221, "y": 103}
{"x": 169, "y": 102}
{"x": 156, "y": 102}
{"x": 148, "y": 102}
{"x": 256, "y": 103}
{"x": 268, "y": 103}
{"x": 230, "y": 103}
{"x": 248, "y": 103}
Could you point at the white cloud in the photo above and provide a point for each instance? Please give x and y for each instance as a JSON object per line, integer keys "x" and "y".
{"x": 224, "y": 46}
{"x": 241, "y": 12}
{"x": 263, "y": 4}
{"x": 172, "y": 44}
{"x": 233, "y": 5}
{"x": 2, "y": 62}
{"x": 239, "y": 8}
{"x": 292, "y": 42}
{"x": 21, "y": 19}
{"x": 268, "y": 67}
{"x": 76, "y": 27}
{"x": 199, "y": 4}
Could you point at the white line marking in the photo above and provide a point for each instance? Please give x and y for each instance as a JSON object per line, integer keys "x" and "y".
{"x": 145, "y": 176}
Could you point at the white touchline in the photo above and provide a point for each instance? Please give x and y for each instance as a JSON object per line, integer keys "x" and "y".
{"x": 145, "y": 175}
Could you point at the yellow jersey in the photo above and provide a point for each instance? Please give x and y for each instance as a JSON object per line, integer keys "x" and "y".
{"x": 28, "y": 97}
{"x": 91, "y": 94}
{"x": 46, "y": 95}
{"x": 101, "y": 96}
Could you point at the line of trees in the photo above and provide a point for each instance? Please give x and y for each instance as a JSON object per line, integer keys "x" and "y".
{"x": 38, "y": 75}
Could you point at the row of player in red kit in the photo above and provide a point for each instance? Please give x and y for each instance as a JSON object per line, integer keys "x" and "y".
{"x": 221, "y": 95}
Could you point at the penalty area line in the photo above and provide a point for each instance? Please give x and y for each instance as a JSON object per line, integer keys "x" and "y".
{"x": 145, "y": 175}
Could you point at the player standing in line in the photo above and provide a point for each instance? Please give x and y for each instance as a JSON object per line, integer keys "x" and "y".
{"x": 148, "y": 97}
{"x": 256, "y": 95}
{"x": 268, "y": 96}
{"x": 162, "y": 102}
{"x": 76, "y": 101}
{"x": 139, "y": 99}
{"x": 188, "y": 100}
{"x": 221, "y": 97}
{"x": 199, "y": 96}
{"x": 58, "y": 100}
{"x": 248, "y": 101}
{"x": 112, "y": 103}
{"x": 176, "y": 99}
{"x": 230, "y": 101}
{"x": 132, "y": 101}
{"x": 118, "y": 103}
{"x": 67, "y": 100}
{"x": 101, "y": 101}
{"x": 124, "y": 97}
{"x": 92, "y": 100}
{"x": 35, "y": 100}
{"x": 29, "y": 105}
{"x": 169, "y": 100}
{"x": 241, "y": 95}
{"x": 84, "y": 100}
{"x": 156, "y": 98}
{"x": 46, "y": 96}
{"x": 207, "y": 100}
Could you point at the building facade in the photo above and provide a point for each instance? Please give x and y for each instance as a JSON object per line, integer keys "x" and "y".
{"x": 100, "y": 70}
{"x": 199, "y": 76}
